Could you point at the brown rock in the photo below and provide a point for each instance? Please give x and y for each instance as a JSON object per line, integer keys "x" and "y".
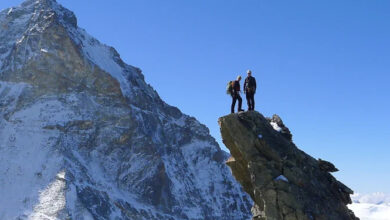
{"x": 283, "y": 181}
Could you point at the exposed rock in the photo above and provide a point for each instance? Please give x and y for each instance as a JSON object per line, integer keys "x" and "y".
{"x": 327, "y": 166}
{"x": 284, "y": 182}
{"x": 278, "y": 125}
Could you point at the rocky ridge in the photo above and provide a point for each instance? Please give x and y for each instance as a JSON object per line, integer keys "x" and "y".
{"x": 284, "y": 182}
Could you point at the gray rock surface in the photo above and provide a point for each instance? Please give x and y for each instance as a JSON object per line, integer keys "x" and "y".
{"x": 285, "y": 182}
{"x": 82, "y": 136}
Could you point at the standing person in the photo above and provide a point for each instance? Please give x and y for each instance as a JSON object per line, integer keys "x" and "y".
{"x": 250, "y": 90}
{"x": 236, "y": 95}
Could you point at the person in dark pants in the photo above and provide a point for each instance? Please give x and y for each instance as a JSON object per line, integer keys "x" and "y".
{"x": 236, "y": 95}
{"x": 250, "y": 90}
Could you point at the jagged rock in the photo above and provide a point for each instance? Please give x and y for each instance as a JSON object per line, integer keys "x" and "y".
{"x": 278, "y": 125}
{"x": 327, "y": 166}
{"x": 83, "y": 136}
{"x": 284, "y": 182}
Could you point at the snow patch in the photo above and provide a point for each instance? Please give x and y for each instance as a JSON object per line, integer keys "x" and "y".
{"x": 51, "y": 200}
{"x": 282, "y": 178}
{"x": 276, "y": 126}
{"x": 102, "y": 56}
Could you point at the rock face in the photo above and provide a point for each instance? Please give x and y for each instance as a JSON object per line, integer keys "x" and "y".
{"x": 284, "y": 182}
{"x": 82, "y": 136}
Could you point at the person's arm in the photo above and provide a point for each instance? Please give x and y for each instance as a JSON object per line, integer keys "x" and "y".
{"x": 245, "y": 82}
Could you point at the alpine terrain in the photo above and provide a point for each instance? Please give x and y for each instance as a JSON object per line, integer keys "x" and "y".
{"x": 82, "y": 136}
{"x": 284, "y": 182}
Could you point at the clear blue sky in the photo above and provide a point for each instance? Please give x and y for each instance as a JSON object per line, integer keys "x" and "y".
{"x": 323, "y": 66}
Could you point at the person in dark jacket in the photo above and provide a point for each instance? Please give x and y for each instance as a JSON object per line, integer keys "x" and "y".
{"x": 236, "y": 95}
{"x": 250, "y": 90}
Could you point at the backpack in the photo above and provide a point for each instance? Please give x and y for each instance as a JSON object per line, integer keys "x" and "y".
{"x": 229, "y": 87}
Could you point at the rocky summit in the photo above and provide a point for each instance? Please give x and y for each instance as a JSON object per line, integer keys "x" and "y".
{"x": 284, "y": 182}
{"x": 83, "y": 136}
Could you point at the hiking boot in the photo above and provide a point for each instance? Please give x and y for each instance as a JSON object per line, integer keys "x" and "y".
{"x": 241, "y": 110}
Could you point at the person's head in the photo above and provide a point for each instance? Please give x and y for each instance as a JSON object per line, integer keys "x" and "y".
{"x": 238, "y": 78}
{"x": 249, "y": 72}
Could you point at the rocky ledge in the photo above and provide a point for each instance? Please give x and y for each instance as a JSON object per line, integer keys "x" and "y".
{"x": 283, "y": 181}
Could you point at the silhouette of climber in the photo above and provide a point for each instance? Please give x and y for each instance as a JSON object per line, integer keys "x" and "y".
{"x": 236, "y": 95}
{"x": 250, "y": 90}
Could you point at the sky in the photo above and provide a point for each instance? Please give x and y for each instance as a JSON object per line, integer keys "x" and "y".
{"x": 322, "y": 66}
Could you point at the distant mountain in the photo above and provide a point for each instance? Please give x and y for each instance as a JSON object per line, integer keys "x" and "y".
{"x": 374, "y": 206}
{"x": 82, "y": 136}
{"x": 372, "y": 198}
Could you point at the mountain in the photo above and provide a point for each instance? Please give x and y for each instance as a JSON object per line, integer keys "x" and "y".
{"x": 284, "y": 182}
{"x": 374, "y": 206}
{"x": 82, "y": 136}
{"x": 372, "y": 198}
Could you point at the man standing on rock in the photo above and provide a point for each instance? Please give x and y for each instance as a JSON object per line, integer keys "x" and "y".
{"x": 236, "y": 95}
{"x": 250, "y": 90}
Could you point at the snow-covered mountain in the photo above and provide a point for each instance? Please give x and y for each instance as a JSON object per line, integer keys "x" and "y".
{"x": 82, "y": 136}
{"x": 374, "y": 206}
{"x": 373, "y": 198}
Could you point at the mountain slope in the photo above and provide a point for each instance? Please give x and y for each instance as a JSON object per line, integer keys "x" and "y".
{"x": 82, "y": 136}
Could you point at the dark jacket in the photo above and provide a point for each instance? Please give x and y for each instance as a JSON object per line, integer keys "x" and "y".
{"x": 236, "y": 86}
{"x": 250, "y": 83}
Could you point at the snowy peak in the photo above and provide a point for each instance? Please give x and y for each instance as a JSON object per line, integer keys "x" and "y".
{"x": 46, "y": 31}
{"x": 50, "y": 9}
{"x": 43, "y": 30}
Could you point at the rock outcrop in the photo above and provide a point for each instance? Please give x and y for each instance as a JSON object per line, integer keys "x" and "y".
{"x": 284, "y": 182}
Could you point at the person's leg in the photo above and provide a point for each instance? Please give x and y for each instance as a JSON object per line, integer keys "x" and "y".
{"x": 239, "y": 102}
{"x": 253, "y": 101}
{"x": 248, "y": 100}
{"x": 233, "y": 103}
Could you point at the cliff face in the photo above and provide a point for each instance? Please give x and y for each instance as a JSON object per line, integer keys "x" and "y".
{"x": 284, "y": 182}
{"x": 83, "y": 136}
